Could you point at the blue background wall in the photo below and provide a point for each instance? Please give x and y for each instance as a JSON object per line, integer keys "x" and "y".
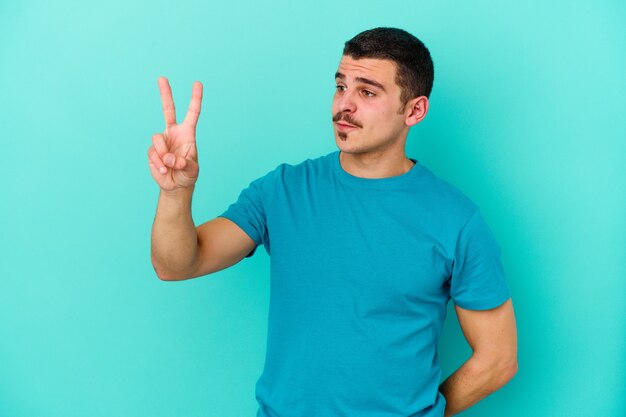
{"x": 526, "y": 118}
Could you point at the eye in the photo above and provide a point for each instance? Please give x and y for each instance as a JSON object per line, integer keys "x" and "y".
{"x": 368, "y": 93}
{"x": 339, "y": 87}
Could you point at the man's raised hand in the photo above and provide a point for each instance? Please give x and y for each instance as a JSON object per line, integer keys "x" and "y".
{"x": 173, "y": 157}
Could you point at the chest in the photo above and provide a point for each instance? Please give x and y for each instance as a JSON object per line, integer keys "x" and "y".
{"x": 383, "y": 246}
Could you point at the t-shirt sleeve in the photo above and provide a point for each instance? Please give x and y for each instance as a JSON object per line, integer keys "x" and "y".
{"x": 249, "y": 212}
{"x": 478, "y": 281}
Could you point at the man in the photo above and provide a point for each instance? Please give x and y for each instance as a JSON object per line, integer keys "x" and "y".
{"x": 366, "y": 245}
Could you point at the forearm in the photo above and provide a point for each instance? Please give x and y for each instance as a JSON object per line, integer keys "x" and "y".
{"x": 473, "y": 381}
{"x": 174, "y": 238}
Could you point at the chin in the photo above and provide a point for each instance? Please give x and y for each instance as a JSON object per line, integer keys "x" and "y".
{"x": 345, "y": 143}
{"x": 348, "y": 148}
{"x": 351, "y": 142}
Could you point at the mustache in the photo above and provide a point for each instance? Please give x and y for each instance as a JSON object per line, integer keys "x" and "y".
{"x": 346, "y": 118}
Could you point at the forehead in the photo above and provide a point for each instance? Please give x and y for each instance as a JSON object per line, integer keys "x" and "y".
{"x": 381, "y": 70}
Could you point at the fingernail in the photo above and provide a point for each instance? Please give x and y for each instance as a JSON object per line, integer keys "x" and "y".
{"x": 163, "y": 170}
{"x": 169, "y": 159}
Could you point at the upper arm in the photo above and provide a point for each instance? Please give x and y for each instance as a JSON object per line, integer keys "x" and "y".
{"x": 221, "y": 243}
{"x": 492, "y": 334}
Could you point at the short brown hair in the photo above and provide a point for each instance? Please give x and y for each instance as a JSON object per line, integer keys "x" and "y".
{"x": 415, "y": 72}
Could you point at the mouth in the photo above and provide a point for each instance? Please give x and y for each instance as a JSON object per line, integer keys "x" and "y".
{"x": 344, "y": 126}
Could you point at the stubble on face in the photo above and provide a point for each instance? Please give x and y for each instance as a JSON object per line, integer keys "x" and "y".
{"x": 345, "y": 117}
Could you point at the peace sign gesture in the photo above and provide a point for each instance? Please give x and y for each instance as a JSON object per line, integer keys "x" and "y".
{"x": 173, "y": 157}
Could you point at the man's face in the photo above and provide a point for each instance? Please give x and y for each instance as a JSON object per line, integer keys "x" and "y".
{"x": 367, "y": 98}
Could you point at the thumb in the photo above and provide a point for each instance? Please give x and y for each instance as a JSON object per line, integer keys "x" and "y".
{"x": 188, "y": 166}
{"x": 188, "y": 175}
{"x": 180, "y": 161}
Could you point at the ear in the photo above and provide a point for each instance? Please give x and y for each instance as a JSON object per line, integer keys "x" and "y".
{"x": 416, "y": 110}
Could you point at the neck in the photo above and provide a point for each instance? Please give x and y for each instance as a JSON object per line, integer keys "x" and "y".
{"x": 370, "y": 165}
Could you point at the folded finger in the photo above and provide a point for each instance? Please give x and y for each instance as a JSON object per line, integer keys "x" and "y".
{"x": 158, "y": 141}
{"x": 153, "y": 157}
{"x": 169, "y": 159}
{"x": 153, "y": 170}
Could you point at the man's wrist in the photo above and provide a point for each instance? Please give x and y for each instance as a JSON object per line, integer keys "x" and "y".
{"x": 178, "y": 193}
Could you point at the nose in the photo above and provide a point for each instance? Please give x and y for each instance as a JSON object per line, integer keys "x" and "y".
{"x": 346, "y": 102}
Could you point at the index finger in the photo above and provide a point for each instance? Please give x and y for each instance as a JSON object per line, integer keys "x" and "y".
{"x": 169, "y": 112}
{"x": 195, "y": 105}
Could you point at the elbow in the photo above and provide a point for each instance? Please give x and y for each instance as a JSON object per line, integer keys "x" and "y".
{"x": 506, "y": 370}
{"x": 162, "y": 273}
{"x": 164, "y": 277}
{"x": 165, "y": 274}
{"x": 510, "y": 371}
{"x": 495, "y": 371}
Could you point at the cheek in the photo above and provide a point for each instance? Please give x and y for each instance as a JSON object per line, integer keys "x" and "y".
{"x": 382, "y": 118}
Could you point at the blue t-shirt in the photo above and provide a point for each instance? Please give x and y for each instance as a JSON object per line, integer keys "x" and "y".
{"x": 361, "y": 273}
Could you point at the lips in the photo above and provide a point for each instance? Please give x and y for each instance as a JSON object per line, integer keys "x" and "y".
{"x": 345, "y": 126}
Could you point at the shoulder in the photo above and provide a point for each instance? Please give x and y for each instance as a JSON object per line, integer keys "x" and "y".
{"x": 444, "y": 197}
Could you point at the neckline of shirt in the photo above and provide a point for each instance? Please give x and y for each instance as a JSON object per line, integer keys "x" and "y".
{"x": 387, "y": 182}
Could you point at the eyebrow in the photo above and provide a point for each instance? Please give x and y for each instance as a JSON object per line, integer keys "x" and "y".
{"x": 362, "y": 80}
